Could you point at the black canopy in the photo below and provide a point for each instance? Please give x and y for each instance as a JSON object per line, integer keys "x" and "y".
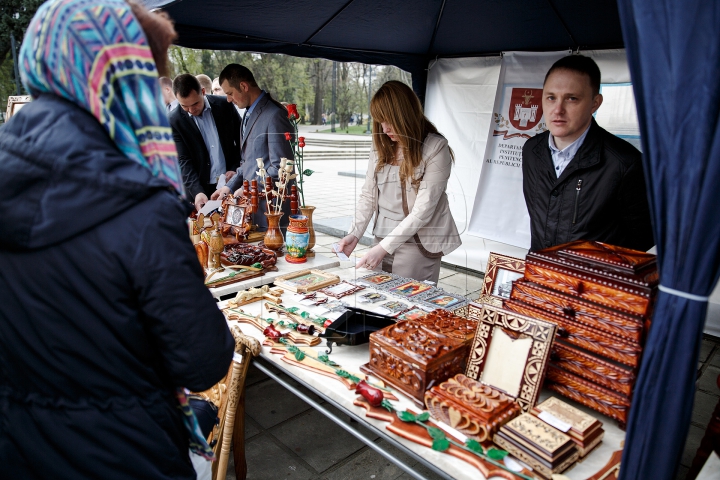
{"x": 404, "y": 33}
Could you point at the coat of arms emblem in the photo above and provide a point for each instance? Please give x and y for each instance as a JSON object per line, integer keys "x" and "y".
{"x": 525, "y": 108}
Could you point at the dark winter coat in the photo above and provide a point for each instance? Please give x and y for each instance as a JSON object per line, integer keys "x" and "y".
{"x": 599, "y": 196}
{"x": 103, "y": 311}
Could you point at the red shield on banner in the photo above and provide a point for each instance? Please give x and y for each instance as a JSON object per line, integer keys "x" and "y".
{"x": 525, "y": 108}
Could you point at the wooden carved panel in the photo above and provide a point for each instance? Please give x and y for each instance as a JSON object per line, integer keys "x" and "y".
{"x": 448, "y": 324}
{"x": 500, "y": 270}
{"x": 593, "y": 369}
{"x": 599, "y": 399}
{"x": 470, "y": 407}
{"x": 584, "y": 337}
{"x": 625, "y": 326}
{"x": 541, "y": 332}
{"x": 556, "y": 279}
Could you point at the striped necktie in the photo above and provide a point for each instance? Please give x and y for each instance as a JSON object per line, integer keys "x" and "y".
{"x": 245, "y": 122}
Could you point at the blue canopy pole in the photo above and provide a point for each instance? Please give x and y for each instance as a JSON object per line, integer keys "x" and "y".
{"x": 673, "y": 49}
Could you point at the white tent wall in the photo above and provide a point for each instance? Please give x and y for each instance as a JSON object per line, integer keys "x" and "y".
{"x": 459, "y": 100}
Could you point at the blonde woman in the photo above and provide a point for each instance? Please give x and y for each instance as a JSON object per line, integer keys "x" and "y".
{"x": 407, "y": 175}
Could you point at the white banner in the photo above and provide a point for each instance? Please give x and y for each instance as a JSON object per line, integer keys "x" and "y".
{"x": 499, "y": 212}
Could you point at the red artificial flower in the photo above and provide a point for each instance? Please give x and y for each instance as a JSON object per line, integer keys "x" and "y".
{"x": 272, "y": 333}
{"x": 288, "y": 137}
{"x": 327, "y": 323}
{"x": 292, "y": 111}
{"x": 374, "y": 396}
{"x": 301, "y": 142}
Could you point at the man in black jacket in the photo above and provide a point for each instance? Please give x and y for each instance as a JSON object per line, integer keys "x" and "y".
{"x": 579, "y": 180}
{"x": 206, "y": 130}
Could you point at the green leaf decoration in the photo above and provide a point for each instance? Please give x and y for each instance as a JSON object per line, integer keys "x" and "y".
{"x": 440, "y": 444}
{"x": 342, "y": 373}
{"x": 308, "y": 172}
{"x": 299, "y": 355}
{"x": 475, "y": 446}
{"x": 269, "y": 320}
{"x": 423, "y": 417}
{"x": 436, "y": 433}
{"x": 293, "y": 309}
{"x": 326, "y": 360}
{"x": 281, "y": 323}
{"x": 387, "y": 405}
{"x": 304, "y": 314}
{"x": 406, "y": 416}
{"x": 496, "y": 454}
{"x": 257, "y": 265}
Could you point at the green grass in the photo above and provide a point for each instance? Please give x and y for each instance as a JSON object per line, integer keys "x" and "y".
{"x": 354, "y": 130}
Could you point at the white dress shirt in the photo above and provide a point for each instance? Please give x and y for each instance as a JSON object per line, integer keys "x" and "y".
{"x": 561, "y": 158}
{"x": 206, "y": 123}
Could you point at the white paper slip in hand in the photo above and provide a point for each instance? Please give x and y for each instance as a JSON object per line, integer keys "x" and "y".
{"x": 340, "y": 254}
{"x": 221, "y": 182}
{"x": 210, "y": 206}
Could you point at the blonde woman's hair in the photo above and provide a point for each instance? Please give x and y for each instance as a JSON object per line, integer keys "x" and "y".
{"x": 395, "y": 103}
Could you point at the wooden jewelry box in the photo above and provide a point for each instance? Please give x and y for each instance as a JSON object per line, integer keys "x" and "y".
{"x": 414, "y": 355}
{"x": 505, "y": 372}
{"x": 585, "y": 430}
{"x": 547, "y": 450}
{"x": 601, "y": 297}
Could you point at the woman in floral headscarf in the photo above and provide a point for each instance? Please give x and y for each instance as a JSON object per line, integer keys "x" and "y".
{"x": 104, "y": 313}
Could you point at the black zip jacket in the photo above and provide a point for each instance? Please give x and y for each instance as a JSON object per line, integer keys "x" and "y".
{"x": 600, "y": 195}
{"x": 103, "y": 310}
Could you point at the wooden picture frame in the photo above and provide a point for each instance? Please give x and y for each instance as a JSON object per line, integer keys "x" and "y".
{"x": 409, "y": 288}
{"x": 414, "y": 313}
{"x": 444, "y": 300}
{"x": 500, "y": 272}
{"x": 15, "y": 103}
{"x": 342, "y": 289}
{"x": 378, "y": 279}
{"x": 236, "y": 219}
{"x": 517, "y": 362}
{"x": 306, "y": 281}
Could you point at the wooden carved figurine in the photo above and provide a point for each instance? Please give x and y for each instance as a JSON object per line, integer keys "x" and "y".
{"x": 216, "y": 244}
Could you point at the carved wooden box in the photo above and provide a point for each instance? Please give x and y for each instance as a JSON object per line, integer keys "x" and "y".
{"x": 615, "y": 277}
{"x": 412, "y": 357}
{"x": 585, "y": 430}
{"x": 547, "y": 450}
{"x": 474, "y": 409}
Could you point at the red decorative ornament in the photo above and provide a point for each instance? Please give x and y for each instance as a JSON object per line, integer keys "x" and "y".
{"x": 288, "y": 136}
{"x": 374, "y": 396}
{"x": 301, "y": 142}
{"x": 328, "y": 323}
{"x": 272, "y": 333}
{"x": 292, "y": 111}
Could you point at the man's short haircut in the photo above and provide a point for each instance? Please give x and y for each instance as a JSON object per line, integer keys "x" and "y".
{"x": 205, "y": 82}
{"x": 184, "y": 84}
{"x": 580, "y": 64}
{"x": 235, "y": 73}
{"x": 165, "y": 82}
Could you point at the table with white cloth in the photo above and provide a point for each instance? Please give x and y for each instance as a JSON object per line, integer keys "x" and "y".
{"x": 336, "y": 394}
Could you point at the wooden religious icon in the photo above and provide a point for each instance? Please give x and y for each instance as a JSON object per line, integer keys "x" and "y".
{"x": 237, "y": 217}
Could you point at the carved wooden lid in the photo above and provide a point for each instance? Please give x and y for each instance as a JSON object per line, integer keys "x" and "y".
{"x": 416, "y": 341}
{"x": 601, "y": 260}
{"x": 448, "y": 324}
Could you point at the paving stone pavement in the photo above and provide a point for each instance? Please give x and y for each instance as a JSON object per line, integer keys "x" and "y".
{"x": 286, "y": 438}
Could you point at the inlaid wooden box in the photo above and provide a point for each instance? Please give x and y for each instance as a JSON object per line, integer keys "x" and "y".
{"x": 614, "y": 277}
{"x": 585, "y": 430}
{"x": 412, "y": 357}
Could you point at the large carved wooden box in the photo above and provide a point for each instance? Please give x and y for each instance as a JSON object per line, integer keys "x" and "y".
{"x": 413, "y": 356}
{"x": 601, "y": 298}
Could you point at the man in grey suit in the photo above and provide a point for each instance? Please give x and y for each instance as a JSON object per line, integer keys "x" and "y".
{"x": 262, "y": 134}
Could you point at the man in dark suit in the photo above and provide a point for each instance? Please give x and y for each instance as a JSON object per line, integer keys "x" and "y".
{"x": 264, "y": 126}
{"x": 206, "y": 130}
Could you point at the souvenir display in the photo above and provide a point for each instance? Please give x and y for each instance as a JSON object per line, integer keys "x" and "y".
{"x": 244, "y": 254}
{"x": 547, "y": 450}
{"x": 510, "y": 352}
{"x": 585, "y": 430}
{"x": 414, "y": 313}
{"x": 601, "y": 297}
{"x": 251, "y": 295}
{"x": 501, "y": 271}
{"x": 342, "y": 289}
{"x": 306, "y": 280}
{"x": 473, "y": 409}
{"x": 237, "y": 217}
{"x": 371, "y": 297}
{"x": 232, "y": 274}
{"x": 299, "y": 334}
{"x": 294, "y": 315}
{"x": 412, "y": 357}
{"x": 377, "y": 279}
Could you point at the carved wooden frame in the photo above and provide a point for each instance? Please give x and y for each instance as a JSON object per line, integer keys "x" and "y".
{"x": 495, "y": 263}
{"x": 240, "y": 232}
{"x": 14, "y": 103}
{"x": 350, "y": 291}
{"x": 285, "y": 281}
{"x": 542, "y": 333}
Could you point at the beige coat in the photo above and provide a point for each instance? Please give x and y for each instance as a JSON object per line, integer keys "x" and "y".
{"x": 429, "y": 212}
